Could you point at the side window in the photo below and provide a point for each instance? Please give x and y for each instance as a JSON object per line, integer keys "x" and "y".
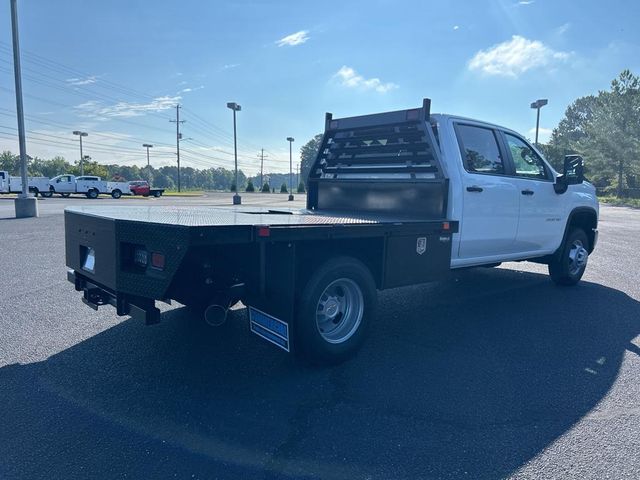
{"x": 527, "y": 162}
{"x": 479, "y": 149}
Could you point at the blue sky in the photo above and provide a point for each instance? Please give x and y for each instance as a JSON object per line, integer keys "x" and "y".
{"x": 117, "y": 68}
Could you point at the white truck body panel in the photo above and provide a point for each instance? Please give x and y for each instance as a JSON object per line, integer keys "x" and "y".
{"x": 84, "y": 184}
{"x": 124, "y": 187}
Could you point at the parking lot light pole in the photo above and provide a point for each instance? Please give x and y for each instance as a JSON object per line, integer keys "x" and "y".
{"x": 148, "y": 146}
{"x": 81, "y": 134}
{"x": 25, "y": 205}
{"x": 538, "y": 104}
{"x": 290, "y": 140}
{"x": 237, "y": 200}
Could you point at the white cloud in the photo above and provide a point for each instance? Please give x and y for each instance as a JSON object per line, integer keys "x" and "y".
{"x": 456, "y": 27}
{"x": 348, "y": 77}
{"x": 543, "y": 134}
{"x": 82, "y": 81}
{"x": 191, "y": 89}
{"x": 562, "y": 29}
{"x": 96, "y": 109}
{"x": 229, "y": 66}
{"x": 526, "y": 2}
{"x": 514, "y": 57}
{"x": 297, "y": 38}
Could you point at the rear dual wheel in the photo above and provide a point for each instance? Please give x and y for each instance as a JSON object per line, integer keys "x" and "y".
{"x": 334, "y": 311}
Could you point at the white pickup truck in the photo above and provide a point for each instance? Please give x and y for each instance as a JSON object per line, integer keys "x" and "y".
{"x": 397, "y": 198}
{"x": 37, "y": 185}
{"x": 88, "y": 185}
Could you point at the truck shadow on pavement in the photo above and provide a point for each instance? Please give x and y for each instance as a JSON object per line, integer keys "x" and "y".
{"x": 472, "y": 377}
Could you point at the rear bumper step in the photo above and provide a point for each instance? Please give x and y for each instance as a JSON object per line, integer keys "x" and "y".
{"x": 96, "y": 296}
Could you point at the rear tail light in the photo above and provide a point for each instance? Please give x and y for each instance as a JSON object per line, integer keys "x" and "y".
{"x": 157, "y": 260}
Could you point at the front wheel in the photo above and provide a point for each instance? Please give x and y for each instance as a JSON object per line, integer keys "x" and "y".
{"x": 92, "y": 194}
{"x": 571, "y": 262}
{"x": 48, "y": 194}
{"x": 336, "y": 306}
{"x": 157, "y": 194}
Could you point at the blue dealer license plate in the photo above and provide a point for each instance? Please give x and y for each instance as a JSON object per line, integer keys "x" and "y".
{"x": 270, "y": 328}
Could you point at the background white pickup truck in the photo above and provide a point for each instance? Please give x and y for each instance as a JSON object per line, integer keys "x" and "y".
{"x": 91, "y": 186}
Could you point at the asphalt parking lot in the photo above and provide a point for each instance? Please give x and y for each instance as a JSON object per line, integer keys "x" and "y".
{"x": 494, "y": 373}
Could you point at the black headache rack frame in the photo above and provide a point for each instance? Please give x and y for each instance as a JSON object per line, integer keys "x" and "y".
{"x": 381, "y": 163}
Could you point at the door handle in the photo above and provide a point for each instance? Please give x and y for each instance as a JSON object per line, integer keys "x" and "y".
{"x": 528, "y": 192}
{"x": 474, "y": 188}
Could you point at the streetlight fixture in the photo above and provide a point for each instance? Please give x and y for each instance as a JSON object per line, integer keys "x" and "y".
{"x": 81, "y": 134}
{"x": 290, "y": 140}
{"x": 148, "y": 146}
{"x": 237, "y": 200}
{"x": 538, "y": 104}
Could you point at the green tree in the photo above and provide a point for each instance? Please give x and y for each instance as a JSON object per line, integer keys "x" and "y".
{"x": 250, "y": 187}
{"x": 308, "y": 154}
{"x": 613, "y": 133}
{"x": 605, "y": 129}
{"x": 9, "y": 162}
{"x": 91, "y": 167}
{"x": 283, "y": 188}
{"x": 301, "y": 188}
{"x": 265, "y": 188}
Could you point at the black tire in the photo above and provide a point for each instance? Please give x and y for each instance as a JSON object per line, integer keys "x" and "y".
{"x": 569, "y": 265}
{"x": 116, "y": 194}
{"x": 331, "y": 339}
{"x": 92, "y": 194}
{"x": 35, "y": 192}
{"x": 46, "y": 194}
{"x": 157, "y": 194}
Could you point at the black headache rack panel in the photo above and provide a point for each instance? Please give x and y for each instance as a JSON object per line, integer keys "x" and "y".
{"x": 380, "y": 163}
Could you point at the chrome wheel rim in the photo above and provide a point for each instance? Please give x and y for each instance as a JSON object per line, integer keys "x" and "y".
{"x": 578, "y": 256}
{"x": 339, "y": 310}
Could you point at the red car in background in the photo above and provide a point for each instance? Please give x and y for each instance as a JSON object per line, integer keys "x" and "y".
{"x": 142, "y": 187}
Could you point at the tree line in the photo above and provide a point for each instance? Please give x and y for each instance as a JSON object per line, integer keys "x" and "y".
{"x": 163, "y": 177}
{"x": 604, "y": 129}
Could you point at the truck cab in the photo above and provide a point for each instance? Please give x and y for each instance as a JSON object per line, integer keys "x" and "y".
{"x": 506, "y": 196}
{"x": 63, "y": 184}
